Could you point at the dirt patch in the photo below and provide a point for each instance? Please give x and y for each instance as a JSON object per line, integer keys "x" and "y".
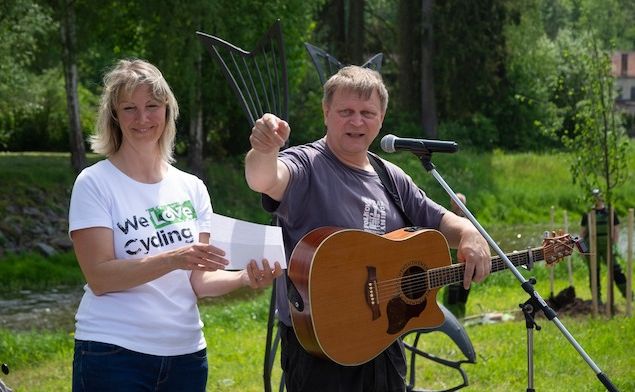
{"x": 566, "y": 303}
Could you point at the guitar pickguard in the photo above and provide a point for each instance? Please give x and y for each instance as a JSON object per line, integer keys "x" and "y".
{"x": 399, "y": 313}
{"x": 412, "y": 299}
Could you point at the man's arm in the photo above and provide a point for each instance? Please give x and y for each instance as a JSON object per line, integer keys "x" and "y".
{"x": 263, "y": 171}
{"x": 472, "y": 248}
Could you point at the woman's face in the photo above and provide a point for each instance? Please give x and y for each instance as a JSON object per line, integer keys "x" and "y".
{"x": 141, "y": 117}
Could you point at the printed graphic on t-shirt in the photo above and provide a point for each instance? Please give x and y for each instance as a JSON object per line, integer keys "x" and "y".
{"x": 158, "y": 218}
{"x": 374, "y": 216}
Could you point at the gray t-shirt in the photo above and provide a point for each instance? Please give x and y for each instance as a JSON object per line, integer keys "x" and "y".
{"x": 323, "y": 191}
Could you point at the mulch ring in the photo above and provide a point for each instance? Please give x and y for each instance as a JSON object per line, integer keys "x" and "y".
{"x": 566, "y": 303}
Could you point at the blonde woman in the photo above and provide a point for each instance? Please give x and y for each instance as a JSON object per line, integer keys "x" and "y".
{"x": 140, "y": 229}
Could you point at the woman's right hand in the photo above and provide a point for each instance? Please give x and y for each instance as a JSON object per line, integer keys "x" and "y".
{"x": 199, "y": 256}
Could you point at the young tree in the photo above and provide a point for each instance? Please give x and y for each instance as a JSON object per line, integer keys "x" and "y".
{"x": 598, "y": 140}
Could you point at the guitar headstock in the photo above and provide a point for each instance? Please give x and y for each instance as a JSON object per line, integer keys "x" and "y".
{"x": 557, "y": 246}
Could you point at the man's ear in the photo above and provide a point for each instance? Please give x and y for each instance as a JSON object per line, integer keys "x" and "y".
{"x": 325, "y": 111}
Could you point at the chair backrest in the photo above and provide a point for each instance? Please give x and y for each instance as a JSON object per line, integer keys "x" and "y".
{"x": 326, "y": 64}
{"x": 259, "y": 81}
{"x": 257, "y": 77}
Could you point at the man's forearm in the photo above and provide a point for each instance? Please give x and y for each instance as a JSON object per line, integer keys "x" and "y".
{"x": 261, "y": 170}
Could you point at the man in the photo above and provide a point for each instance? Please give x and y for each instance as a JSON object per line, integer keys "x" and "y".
{"x": 602, "y": 224}
{"x": 331, "y": 182}
{"x": 455, "y": 295}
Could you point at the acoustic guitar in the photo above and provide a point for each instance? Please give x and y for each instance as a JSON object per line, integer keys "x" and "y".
{"x": 360, "y": 291}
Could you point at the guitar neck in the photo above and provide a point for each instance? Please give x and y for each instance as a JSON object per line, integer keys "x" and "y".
{"x": 443, "y": 276}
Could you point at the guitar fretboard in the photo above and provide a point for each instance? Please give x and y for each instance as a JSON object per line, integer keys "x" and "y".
{"x": 443, "y": 276}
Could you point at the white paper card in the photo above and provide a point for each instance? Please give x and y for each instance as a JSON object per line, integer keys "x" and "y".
{"x": 243, "y": 241}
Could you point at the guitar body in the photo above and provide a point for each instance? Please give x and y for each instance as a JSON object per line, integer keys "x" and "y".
{"x": 362, "y": 291}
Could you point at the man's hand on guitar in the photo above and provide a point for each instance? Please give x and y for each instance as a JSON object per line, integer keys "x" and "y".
{"x": 473, "y": 250}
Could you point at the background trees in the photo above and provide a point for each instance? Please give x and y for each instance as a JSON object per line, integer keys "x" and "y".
{"x": 489, "y": 74}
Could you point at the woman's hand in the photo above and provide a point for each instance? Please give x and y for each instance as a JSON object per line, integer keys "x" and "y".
{"x": 258, "y": 278}
{"x": 200, "y": 256}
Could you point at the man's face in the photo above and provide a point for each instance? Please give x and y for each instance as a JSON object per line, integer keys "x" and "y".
{"x": 352, "y": 122}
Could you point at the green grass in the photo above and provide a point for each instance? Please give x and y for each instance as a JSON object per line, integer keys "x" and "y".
{"x": 235, "y": 331}
{"x": 503, "y": 190}
{"x": 32, "y": 271}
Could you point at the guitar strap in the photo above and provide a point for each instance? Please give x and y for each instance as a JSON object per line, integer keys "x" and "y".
{"x": 382, "y": 172}
{"x": 293, "y": 295}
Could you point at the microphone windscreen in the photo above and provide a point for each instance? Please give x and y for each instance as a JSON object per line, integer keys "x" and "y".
{"x": 387, "y": 143}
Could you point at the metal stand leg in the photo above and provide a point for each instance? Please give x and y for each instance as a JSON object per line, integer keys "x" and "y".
{"x": 529, "y": 310}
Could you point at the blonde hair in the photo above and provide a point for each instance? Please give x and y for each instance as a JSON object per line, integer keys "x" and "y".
{"x": 122, "y": 79}
{"x": 357, "y": 79}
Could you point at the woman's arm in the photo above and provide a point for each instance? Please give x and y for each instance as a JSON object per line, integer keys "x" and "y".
{"x": 94, "y": 249}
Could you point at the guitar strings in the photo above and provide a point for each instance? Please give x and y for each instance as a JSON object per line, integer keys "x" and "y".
{"x": 421, "y": 282}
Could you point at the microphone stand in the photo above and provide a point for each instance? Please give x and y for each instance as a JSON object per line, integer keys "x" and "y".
{"x": 535, "y": 301}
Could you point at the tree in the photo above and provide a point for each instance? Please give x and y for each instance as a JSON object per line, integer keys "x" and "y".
{"x": 429, "y": 120}
{"x": 598, "y": 141}
{"x": 408, "y": 57}
{"x": 66, "y": 16}
{"x": 355, "y": 38}
{"x": 23, "y": 24}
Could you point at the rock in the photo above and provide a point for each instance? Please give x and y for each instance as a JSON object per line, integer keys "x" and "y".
{"x": 45, "y": 249}
{"x": 62, "y": 242}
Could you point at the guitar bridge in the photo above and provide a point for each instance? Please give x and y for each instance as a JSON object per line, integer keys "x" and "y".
{"x": 371, "y": 292}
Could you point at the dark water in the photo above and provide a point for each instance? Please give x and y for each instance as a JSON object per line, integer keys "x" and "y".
{"x": 52, "y": 309}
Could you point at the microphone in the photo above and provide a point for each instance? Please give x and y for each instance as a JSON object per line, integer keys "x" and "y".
{"x": 392, "y": 143}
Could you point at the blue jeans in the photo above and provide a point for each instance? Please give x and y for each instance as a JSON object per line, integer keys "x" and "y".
{"x": 105, "y": 367}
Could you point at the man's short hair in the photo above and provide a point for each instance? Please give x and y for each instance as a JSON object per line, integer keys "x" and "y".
{"x": 357, "y": 79}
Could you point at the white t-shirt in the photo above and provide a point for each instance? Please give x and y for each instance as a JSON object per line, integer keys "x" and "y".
{"x": 159, "y": 317}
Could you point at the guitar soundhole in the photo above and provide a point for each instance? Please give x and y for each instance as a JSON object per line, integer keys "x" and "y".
{"x": 413, "y": 285}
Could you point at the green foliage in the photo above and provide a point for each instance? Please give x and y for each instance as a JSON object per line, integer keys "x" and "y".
{"x": 531, "y": 67}
{"x": 23, "y": 24}
{"x": 42, "y": 125}
{"x": 511, "y": 188}
{"x": 476, "y": 132}
{"x": 503, "y": 74}
{"x": 595, "y": 133}
{"x": 33, "y": 271}
{"x": 230, "y": 194}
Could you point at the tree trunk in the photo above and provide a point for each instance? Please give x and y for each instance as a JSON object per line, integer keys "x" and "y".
{"x": 195, "y": 156}
{"x": 355, "y": 41}
{"x": 429, "y": 119}
{"x": 333, "y": 26}
{"x": 406, "y": 47}
{"x": 68, "y": 37}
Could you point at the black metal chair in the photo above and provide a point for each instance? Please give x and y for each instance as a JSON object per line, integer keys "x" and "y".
{"x": 259, "y": 81}
{"x": 259, "y": 77}
{"x": 327, "y": 65}
{"x": 453, "y": 328}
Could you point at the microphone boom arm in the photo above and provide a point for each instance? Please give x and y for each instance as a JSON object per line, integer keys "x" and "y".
{"x": 425, "y": 158}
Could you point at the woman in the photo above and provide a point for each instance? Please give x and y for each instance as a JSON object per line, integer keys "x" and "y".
{"x": 140, "y": 229}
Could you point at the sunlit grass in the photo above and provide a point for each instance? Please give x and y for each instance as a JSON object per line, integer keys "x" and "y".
{"x": 502, "y": 189}
{"x": 235, "y": 328}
